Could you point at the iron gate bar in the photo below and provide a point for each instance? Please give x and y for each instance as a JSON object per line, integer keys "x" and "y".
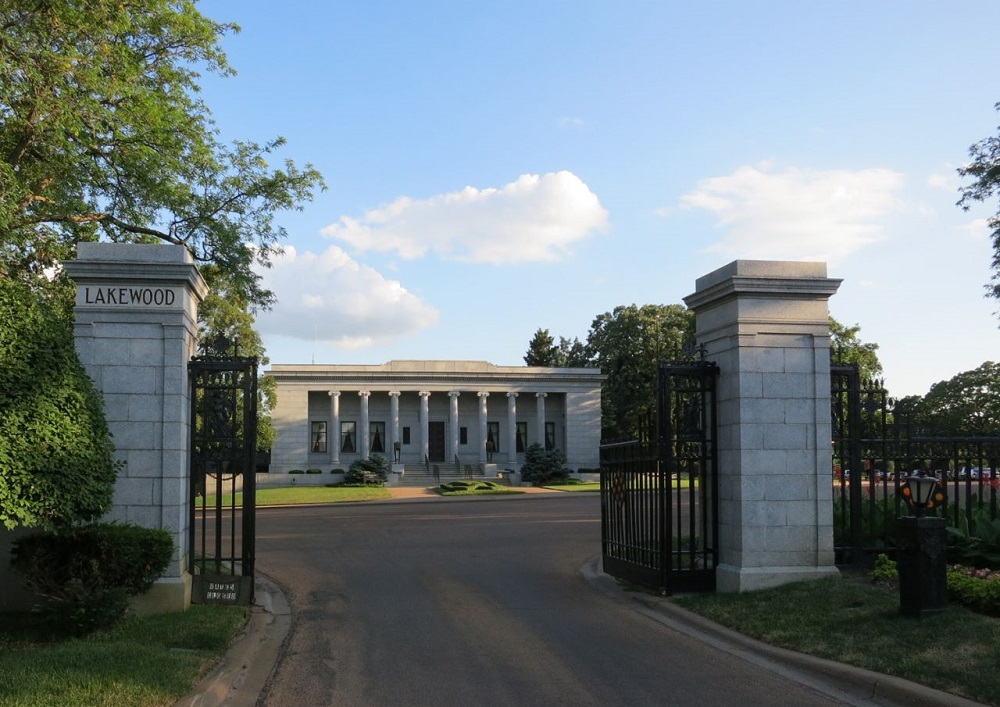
{"x": 871, "y": 435}
{"x": 223, "y": 448}
{"x": 654, "y": 531}
{"x": 687, "y": 428}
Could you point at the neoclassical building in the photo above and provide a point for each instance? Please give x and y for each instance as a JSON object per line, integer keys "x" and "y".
{"x": 327, "y": 416}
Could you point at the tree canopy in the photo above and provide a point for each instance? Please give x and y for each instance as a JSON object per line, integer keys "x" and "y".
{"x": 628, "y": 344}
{"x": 983, "y": 169}
{"x": 568, "y": 353}
{"x": 103, "y": 136}
{"x": 542, "y": 350}
{"x": 847, "y": 348}
{"x": 968, "y": 403}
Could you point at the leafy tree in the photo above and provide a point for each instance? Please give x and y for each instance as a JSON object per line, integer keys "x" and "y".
{"x": 568, "y": 353}
{"x": 573, "y": 353}
{"x": 542, "y": 350}
{"x": 102, "y": 135}
{"x": 847, "y": 348}
{"x": 628, "y": 344}
{"x": 984, "y": 171}
{"x": 56, "y": 455}
{"x": 969, "y": 402}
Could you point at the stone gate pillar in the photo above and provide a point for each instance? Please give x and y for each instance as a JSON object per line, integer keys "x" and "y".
{"x": 136, "y": 327}
{"x": 766, "y": 324}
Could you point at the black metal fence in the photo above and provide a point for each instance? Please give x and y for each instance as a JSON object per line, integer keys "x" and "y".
{"x": 659, "y": 520}
{"x": 223, "y": 465}
{"x": 876, "y": 446}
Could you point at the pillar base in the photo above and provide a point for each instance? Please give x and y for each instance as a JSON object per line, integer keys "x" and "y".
{"x": 731, "y": 579}
{"x": 167, "y": 595}
{"x": 921, "y": 561}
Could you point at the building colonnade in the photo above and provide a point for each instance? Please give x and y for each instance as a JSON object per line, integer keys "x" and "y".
{"x": 393, "y": 432}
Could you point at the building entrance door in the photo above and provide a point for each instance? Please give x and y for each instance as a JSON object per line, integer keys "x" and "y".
{"x": 435, "y": 441}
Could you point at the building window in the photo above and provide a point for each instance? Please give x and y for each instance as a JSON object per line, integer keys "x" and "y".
{"x": 348, "y": 437}
{"x": 463, "y": 435}
{"x": 493, "y": 435}
{"x": 522, "y": 437}
{"x": 406, "y": 435}
{"x": 317, "y": 432}
{"x": 550, "y": 436}
{"x": 376, "y": 431}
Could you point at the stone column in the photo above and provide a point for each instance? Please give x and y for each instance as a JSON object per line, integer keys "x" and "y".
{"x": 766, "y": 325}
{"x": 424, "y": 420}
{"x": 393, "y": 424}
{"x": 512, "y": 429}
{"x": 540, "y": 412}
{"x": 483, "y": 395}
{"x": 453, "y": 424}
{"x": 364, "y": 432}
{"x": 334, "y": 436}
{"x": 136, "y": 328}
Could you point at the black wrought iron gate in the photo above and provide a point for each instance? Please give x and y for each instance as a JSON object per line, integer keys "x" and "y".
{"x": 659, "y": 517}
{"x": 223, "y": 448}
{"x": 877, "y": 443}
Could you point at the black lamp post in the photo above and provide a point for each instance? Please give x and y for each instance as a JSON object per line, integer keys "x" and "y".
{"x": 920, "y": 541}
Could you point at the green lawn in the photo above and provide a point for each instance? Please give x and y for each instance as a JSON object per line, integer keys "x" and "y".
{"x": 152, "y": 660}
{"x": 852, "y": 621}
{"x": 580, "y": 486}
{"x": 298, "y": 495}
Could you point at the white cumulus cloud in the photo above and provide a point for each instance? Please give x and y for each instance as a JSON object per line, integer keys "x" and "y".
{"x": 796, "y": 214}
{"x": 534, "y": 218}
{"x": 331, "y": 297}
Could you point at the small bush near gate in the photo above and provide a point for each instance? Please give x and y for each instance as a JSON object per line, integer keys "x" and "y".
{"x": 364, "y": 472}
{"x": 314, "y": 471}
{"x": 296, "y": 471}
{"x": 543, "y": 467}
{"x": 87, "y": 574}
{"x": 338, "y": 470}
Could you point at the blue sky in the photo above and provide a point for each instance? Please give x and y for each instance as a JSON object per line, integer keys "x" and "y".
{"x": 495, "y": 168}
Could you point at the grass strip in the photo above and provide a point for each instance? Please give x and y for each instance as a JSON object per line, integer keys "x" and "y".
{"x": 579, "y": 486}
{"x": 150, "y": 660}
{"x": 852, "y": 621}
{"x": 292, "y": 495}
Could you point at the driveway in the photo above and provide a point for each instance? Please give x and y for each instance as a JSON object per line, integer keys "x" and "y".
{"x": 477, "y": 602}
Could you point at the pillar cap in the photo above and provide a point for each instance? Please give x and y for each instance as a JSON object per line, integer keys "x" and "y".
{"x": 773, "y": 279}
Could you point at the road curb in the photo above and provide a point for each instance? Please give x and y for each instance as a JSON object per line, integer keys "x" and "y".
{"x": 244, "y": 671}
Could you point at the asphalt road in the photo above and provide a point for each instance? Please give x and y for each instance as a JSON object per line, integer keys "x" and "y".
{"x": 477, "y": 602}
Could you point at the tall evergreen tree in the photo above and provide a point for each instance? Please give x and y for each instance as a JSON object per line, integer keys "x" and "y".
{"x": 542, "y": 350}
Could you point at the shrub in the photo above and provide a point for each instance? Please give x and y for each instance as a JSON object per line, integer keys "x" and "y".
{"x": 885, "y": 571}
{"x": 543, "y": 467}
{"x": 976, "y": 543}
{"x": 977, "y": 589}
{"x": 375, "y": 464}
{"x": 296, "y": 471}
{"x": 338, "y": 470}
{"x": 56, "y": 455}
{"x": 314, "y": 471}
{"x": 87, "y": 574}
